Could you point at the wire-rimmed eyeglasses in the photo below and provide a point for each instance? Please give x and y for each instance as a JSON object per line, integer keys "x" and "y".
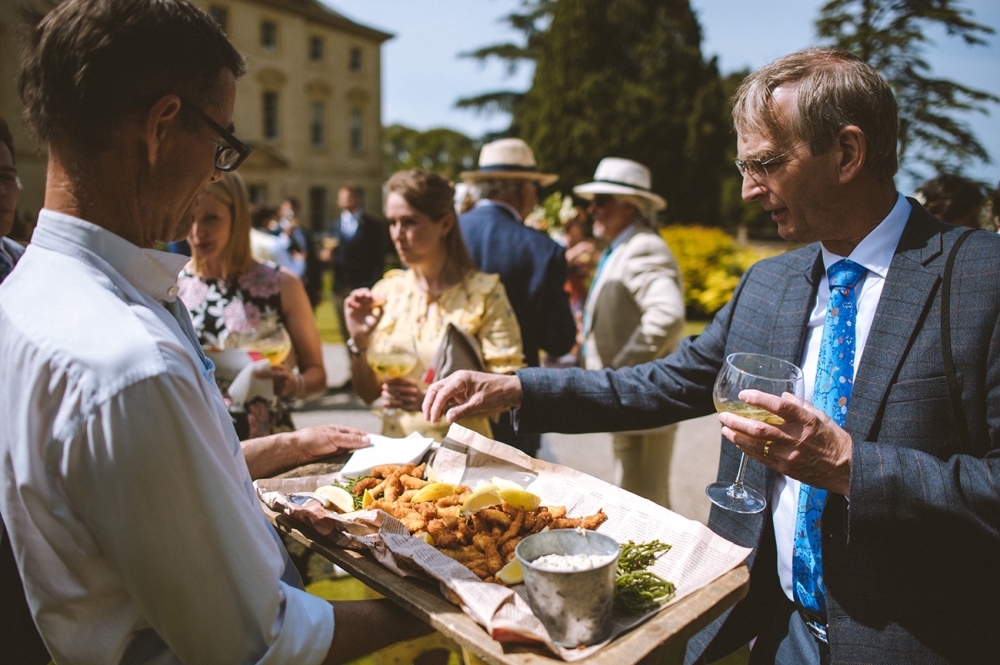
{"x": 231, "y": 152}
{"x": 758, "y": 168}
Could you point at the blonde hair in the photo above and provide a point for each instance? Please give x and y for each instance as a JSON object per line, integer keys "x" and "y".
{"x": 236, "y": 256}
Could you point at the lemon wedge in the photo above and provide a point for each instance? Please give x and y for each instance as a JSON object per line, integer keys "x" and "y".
{"x": 503, "y": 483}
{"x": 482, "y": 498}
{"x": 424, "y": 536}
{"x": 336, "y": 497}
{"x": 433, "y": 492}
{"x": 511, "y": 573}
{"x": 367, "y": 499}
{"x": 520, "y": 498}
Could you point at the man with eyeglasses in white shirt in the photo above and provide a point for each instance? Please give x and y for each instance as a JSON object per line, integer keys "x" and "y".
{"x": 124, "y": 488}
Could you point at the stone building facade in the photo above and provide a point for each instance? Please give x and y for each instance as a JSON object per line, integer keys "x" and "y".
{"x": 310, "y": 105}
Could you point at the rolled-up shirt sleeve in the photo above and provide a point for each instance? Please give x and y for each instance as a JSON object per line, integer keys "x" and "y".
{"x": 157, "y": 474}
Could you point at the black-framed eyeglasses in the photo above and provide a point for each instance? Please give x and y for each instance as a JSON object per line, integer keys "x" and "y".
{"x": 231, "y": 152}
{"x": 758, "y": 168}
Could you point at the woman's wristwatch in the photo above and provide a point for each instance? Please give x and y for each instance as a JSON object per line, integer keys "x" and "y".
{"x": 353, "y": 347}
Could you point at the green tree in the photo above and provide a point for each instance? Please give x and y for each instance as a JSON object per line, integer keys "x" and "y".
{"x": 735, "y": 211}
{"x": 891, "y": 35}
{"x": 439, "y": 150}
{"x": 531, "y": 21}
{"x": 627, "y": 78}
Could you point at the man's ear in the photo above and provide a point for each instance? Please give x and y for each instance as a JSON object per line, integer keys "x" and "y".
{"x": 853, "y": 148}
{"x": 160, "y": 119}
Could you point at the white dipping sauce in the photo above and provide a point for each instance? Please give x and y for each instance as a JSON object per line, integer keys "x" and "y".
{"x": 572, "y": 562}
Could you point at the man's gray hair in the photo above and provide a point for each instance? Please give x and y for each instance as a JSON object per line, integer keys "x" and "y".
{"x": 834, "y": 89}
{"x": 644, "y": 213}
{"x": 498, "y": 189}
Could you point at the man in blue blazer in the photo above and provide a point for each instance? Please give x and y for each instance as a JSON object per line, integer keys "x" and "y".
{"x": 531, "y": 265}
{"x": 910, "y": 533}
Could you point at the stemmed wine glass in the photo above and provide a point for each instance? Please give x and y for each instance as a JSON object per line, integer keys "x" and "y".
{"x": 269, "y": 338}
{"x": 276, "y": 346}
{"x": 745, "y": 371}
{"x": 391, "y": 356}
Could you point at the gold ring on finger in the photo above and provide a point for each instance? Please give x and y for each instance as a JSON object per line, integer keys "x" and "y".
{"x": 767, "y": 448}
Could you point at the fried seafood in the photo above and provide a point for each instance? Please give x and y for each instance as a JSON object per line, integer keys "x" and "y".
{"x": 483, "y": 541}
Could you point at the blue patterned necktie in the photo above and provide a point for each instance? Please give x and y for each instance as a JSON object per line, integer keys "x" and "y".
{"x": 832, "y": 393}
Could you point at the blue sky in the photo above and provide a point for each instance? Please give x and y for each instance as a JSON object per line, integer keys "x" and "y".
{"x": 423, "y": 74}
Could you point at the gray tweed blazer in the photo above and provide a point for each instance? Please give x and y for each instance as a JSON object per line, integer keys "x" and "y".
{"x": 912, "y": 561}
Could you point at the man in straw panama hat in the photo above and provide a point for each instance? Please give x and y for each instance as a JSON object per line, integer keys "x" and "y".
{"x": 531, "y": 265}
{"x": 635, "y": 309}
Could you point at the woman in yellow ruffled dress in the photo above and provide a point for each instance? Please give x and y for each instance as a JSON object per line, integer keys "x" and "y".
{"x": 440, "y": 286}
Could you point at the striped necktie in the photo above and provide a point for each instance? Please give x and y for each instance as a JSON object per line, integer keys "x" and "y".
{"x": 832, "y": 394}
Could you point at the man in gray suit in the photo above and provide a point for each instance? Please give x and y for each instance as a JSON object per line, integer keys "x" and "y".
{"x": 909, "y": 535}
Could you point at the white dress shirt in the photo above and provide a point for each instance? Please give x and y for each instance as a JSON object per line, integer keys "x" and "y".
{"x": 348, "y": 223}
{"x": 123, "y": 486}
{"x": 874, "y": 253}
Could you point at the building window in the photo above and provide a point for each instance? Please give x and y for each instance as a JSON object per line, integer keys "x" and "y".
{"x": 315, "y": 49}
{"x": 221, "y": 16}
{"x": 268, "y": 35}
{"x": 355, "y": 59}
{"x": 257, "y": 193}
{"x": 270, "y": 101}
{"x": 357, "y": 131}
{"x": 318, "y": 215}
{"x": 317, "y": 128}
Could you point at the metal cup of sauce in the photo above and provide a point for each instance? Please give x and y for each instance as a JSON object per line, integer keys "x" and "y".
{"x": 572, "y": 593}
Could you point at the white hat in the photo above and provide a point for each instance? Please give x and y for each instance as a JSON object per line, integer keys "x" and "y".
{"x": 615, "y": 175}
{"x": 508, "y": 158}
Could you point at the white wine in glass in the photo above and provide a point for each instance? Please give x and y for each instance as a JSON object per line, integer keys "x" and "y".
{"x": 749, "y": 371}
{"x": 269, "y": 338}
{"x": 391, "y": 357}
{"x": 275, "y": 346}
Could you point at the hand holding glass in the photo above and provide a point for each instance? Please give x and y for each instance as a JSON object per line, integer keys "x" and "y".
{"x": 749, "y": 371}
{"x": 391, "y": 357}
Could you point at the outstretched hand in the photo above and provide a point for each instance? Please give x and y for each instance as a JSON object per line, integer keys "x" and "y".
{"x": 465, "y": 394}
{"x": 324, "y": 440}
{"x": 268, "y": 455}
{"x": 808, "y": 446}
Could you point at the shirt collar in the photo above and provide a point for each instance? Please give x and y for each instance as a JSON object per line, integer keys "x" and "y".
{"x": 149, "y": 270}
{"x": 876, "y": 250}
{"x": 500, "y": 204}
{"x": 623, "y": 237}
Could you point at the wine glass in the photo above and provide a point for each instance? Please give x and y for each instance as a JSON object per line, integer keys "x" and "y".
{"x": 269, "y": 338}
{"x": 744, "y": 371}
{"x": 274, "y": 346}
{"x": 391, "y": 356}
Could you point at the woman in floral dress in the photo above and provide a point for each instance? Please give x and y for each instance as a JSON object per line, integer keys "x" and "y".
{"x": 228, "y": 294}
{"x": 441, "y": 286}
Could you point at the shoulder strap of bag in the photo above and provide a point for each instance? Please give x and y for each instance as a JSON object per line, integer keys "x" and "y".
{"x": 946, "y": 354}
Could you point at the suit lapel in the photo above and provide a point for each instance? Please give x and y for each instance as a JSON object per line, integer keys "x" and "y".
{"x": 794, "y": 301}
{"x": 610, "y": 268}
{"x": 788, "y": 336}
{"x": 909, "y": 290}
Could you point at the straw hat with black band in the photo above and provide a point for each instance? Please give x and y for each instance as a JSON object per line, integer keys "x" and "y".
{"x": 621, "y": 177}
{"x": 508, "y": 159}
